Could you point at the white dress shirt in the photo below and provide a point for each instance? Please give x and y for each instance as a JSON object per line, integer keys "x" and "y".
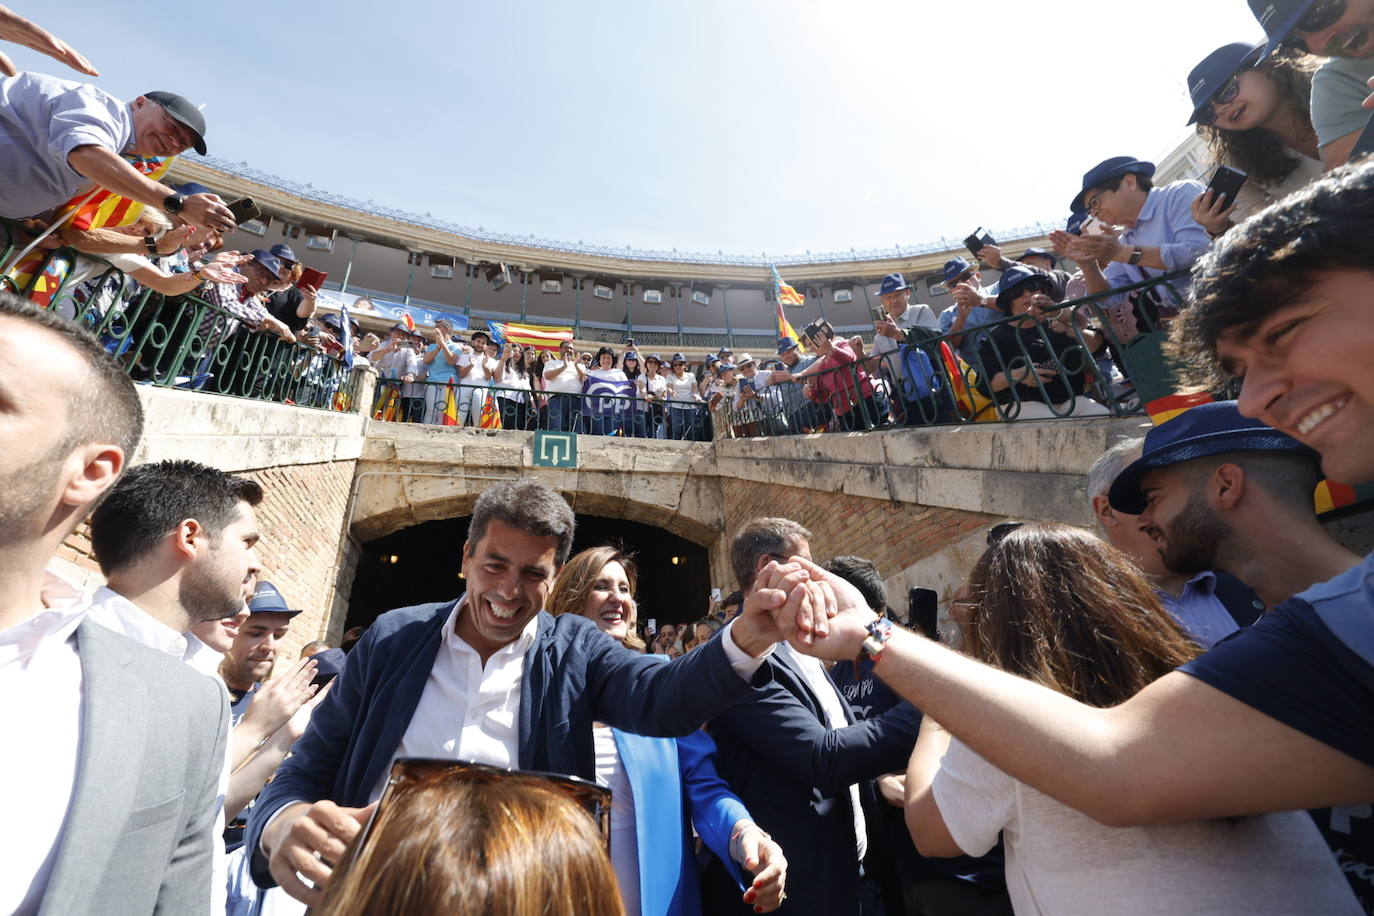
{"x": 40, "y": 717}
{"x": 825, "y": 691}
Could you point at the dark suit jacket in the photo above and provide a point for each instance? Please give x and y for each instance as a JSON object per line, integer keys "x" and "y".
{"x": 140, "y": 830}
{"x": 793, "y": 772}
{"x": 574, "y": 676}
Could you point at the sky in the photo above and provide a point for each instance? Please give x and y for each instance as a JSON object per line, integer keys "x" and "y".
{"x": 750, "y": 127}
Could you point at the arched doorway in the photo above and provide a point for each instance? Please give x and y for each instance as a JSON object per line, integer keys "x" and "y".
{"x": 420, "y": 564}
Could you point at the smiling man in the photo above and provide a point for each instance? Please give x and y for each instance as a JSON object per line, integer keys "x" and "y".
{"x": 1278, "y": 717}
{"x": 1342, "y": 30}
{"x": 59, "y": 138}
{"x": 490, "y": 678}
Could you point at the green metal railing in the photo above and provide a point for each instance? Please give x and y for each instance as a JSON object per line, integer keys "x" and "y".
{"x": 182, "y": 341}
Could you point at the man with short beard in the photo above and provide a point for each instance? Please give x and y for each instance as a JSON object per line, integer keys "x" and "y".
{"x": 1218, "y": 491}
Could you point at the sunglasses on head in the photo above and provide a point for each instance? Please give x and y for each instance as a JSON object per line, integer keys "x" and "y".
{"x": 409, "y": 772}
{"x": 1225, "y": 96}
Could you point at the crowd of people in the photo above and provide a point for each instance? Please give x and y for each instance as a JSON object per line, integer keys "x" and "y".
{"x": 1168, "y": 714}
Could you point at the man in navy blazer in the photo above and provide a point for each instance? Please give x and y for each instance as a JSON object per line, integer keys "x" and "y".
{"x": 491, "y": 678}
{"x": 794, "y": 754}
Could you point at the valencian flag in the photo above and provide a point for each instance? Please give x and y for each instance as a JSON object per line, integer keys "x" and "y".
{"x": 450, "y": 415}
{"x": 540, "y": 337}
{"x": 490, "y": 419}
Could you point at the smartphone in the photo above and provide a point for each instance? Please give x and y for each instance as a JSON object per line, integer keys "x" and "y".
{"x": 979, "y": 240}
{"x": 630, "y": 342}
{"x": 878, "y": 313}
{"x": 1092, "y": 226}
{"x": 312, "y": 278}
{"x": 1226, "y": 182}
{"x": 923, "y": 606}
{"x": 1364, "y": 143}
{"x": 715, "y": 594}
{"x": 244, "y": 209}
{"x": 651, "y": 626}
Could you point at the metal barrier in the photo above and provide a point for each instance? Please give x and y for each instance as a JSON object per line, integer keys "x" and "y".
{"x": 184, "y": 341}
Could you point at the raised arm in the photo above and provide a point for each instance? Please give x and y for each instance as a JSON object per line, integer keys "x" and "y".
{"x": 111, "y": 171}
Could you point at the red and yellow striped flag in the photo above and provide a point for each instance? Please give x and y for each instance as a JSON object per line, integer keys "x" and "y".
{"x": 540, "y": 337}
{"x": 490, "y": 418}
{"x": 450, "y": 417}
{"x": 1162, "y": 410}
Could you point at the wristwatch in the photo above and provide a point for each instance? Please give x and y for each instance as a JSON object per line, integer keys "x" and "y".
{"x": 1136, "y": 254}
{"x": 879, "y": 632}
{"x": 173, "y": 203}
{"x": 151, "y": 244}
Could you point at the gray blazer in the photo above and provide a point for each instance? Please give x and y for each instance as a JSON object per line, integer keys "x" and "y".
{"x": 138, "y": 835}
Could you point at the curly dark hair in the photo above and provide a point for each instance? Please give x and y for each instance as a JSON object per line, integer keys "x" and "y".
{"x": 1260, "y": 153}
{"x": 1261, "y": 265}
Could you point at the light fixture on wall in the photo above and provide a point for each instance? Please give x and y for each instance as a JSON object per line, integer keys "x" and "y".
{"x": 499, "y": 275}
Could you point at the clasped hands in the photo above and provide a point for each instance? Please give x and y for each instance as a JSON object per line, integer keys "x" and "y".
{"x": 815, "y": 611}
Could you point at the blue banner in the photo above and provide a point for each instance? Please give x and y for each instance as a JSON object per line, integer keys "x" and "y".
{"x": 604, "y": 397}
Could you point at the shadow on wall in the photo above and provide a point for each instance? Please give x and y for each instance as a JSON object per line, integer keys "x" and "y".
{"x": 422, "y": 563}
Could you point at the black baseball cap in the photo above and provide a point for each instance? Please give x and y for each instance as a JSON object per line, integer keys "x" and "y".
{"x": 181, "y": 109}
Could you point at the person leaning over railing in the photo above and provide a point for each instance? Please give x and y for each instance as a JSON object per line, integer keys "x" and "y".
{"x": 1035, "y": 367}
{"x": 836, "y": 379}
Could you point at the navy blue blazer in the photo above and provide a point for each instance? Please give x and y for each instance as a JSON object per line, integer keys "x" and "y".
{"x": 793, "y": 772}
{"x": 574, "y": 676}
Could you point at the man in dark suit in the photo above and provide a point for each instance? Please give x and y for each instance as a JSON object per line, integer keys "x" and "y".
{"x": 112, "y": 751}
{"x": 489, "y": 678}
{"x": 804, "y": 767}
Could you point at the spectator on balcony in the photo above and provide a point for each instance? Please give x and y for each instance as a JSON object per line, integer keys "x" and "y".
{"x": 1035, "y": 367}
{"x": 720, "y": 399}
{"x": 799, "y": 413}
{"x": 398, "y": 363}
{"x": 634, "y": 421}
{"x": 1254, "y": 114}
{"x": 608, "y": 382}
{"x": 1034, "y": 257}
{"x": 485, "y": 370}
{"x": 654, "y": 390}
{"x": 563, "y": 381}
{"x": 837, "y": 379}
{"x": 444, "y": 361}
{"x": 513, "y": 389}
{"x": 292, "y": 305}
{"x": 1158, "y": 234}
{"x": 684, "y": 404}
{"x": 1342, "y": 30}
{"x": 905, "y": 323}
{"x": 62, "y": 138}
{"x": 243, "y": 301}
{"x": 974, "y": 306}
{"x": 747, "y": 406}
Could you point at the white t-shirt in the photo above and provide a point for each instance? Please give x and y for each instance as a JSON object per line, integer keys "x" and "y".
{"x": 682, "y": 389}
{"x": 567, "y": 381}
{"x": 1061, "y": 862}
{"x": 656, "y": 386}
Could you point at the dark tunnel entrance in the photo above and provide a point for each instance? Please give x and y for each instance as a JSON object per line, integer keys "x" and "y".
{"x": 422, "y": 563}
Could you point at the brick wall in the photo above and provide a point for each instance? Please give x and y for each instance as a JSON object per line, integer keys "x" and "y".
{"x": 893, "y": 536}
{"x": 301, "y": 521}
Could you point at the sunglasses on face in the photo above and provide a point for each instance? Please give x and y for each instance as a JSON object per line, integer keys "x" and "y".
{"x": 1323, "y": 15}
{"x": 1034, "y": 287}
{"x": 1225, "y": 96}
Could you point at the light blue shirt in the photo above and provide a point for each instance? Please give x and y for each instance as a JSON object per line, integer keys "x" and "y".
{"x": 42, "y": 119}
{"x": 1199, "y": 611}
{"x": 977, "y": 316}
{"x": 1165, "y": 221}
{"x": 1346, "y": 605}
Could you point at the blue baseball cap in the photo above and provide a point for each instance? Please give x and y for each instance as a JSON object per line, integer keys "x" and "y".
{"x": 1279, "y": 19}
{"x": 677, "y": 358}
{"x": 192, "y": 187}
{"x": 1076, "y": 220}
{"x": 893, "y": 283}
{"x": 956, "y": 268}
{"x": 785, "y": 344}
{"x": 631, "y": 354}
{"x": 1040, "y": 253}
{"x": 655, "y": 357}
{"x": 1207, "y": 429}
{"x": 267, "y": 599}
{"x": 284, "y": 253}
{"x": 1108, "y": 169}
{"x": 269, "y": 262}
{"x": 1206, "y": 79}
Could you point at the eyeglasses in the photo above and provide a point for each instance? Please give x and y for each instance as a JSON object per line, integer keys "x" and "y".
{"x": 1323, "y": 15}
{"x": 409, "y": 772}
{"x": 1034, "y": 287}
{"x": 1092, "y": 203}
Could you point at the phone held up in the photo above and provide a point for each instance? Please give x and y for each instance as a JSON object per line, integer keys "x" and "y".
{"x": 979, "y": 240}
{"x": 244, "y": 209}
{"x": 1226, "y": 184}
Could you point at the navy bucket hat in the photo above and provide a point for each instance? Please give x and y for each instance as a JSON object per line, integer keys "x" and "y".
{"x": 1208, "y": 429}
{"x": 1216, "y": 69}
{"x": 1105, "y": 171}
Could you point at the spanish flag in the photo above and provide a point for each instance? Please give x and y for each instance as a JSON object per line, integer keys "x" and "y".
{"x": 450, "y": 417}
{"x": 1162, "y": 410}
